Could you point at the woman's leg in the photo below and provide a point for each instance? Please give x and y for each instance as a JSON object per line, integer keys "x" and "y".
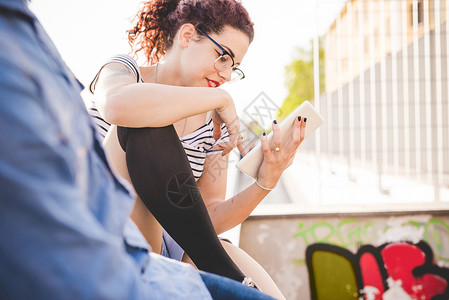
{"x": 162, "y": 177}
{"x": 253, "y": 269}
{"x": 250, "y": 268}
{"x": 148, "y": 225}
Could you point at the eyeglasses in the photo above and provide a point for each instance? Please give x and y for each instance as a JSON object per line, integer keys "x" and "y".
{"x": 225, "y": 61}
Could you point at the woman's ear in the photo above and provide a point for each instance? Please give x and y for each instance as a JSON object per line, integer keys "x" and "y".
{"x": 185, "y": 35}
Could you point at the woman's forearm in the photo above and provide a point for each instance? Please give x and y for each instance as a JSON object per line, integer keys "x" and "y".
{"x": 228, "y": 214}
{"x": 157, "y": 105}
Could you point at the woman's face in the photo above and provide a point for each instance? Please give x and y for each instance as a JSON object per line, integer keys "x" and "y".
{"x": 198, "y": 59}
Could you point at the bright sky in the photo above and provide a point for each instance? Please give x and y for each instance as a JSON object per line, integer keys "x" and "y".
{"x": 87, "y": 32}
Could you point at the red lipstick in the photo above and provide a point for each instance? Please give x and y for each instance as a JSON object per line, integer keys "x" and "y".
{"x": 216, "y": 83}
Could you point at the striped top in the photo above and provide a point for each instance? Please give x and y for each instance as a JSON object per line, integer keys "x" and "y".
{"x": 197, "y": 144}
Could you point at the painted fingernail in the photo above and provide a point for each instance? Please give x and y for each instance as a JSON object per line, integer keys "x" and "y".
{"x": 305, "y": 120}
{"x": 264, "y": 134}
{"x": 275, "y": 122}
{"x": 299, "y": 118}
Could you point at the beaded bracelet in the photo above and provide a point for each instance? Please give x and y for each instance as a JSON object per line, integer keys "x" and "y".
{"x": 264, "y": 188}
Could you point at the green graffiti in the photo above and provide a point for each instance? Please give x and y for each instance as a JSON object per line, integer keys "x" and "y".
{"x": 435, "y": 235}
{"x": 312, "y": 231}
{"x": 299, "y": 261}
{"x": 367, "y": 229}
{"x": 356, "y": 235}
{"x": 356, "y": 232}
{"x": 352, "y": 232}
{"x": 416, "y": 224}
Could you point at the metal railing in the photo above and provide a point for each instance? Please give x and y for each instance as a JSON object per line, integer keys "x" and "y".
{"x": 387, "y": 90}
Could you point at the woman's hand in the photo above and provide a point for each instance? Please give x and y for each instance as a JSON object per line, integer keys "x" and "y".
{"x": 227, "y": 115}
{"x": 276, "y": 161}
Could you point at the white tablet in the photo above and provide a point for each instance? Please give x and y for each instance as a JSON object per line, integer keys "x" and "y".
{"x": 250, "y": 164}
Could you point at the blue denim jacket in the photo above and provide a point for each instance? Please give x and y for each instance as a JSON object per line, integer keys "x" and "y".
{"x": 62, "y": 210}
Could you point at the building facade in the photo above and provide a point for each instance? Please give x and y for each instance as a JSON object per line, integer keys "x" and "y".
{"x": 386, "y": 99}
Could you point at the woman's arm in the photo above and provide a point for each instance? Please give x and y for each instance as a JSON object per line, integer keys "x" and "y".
{"x": 122, "y": 101}
{"x": 212, "y": 183}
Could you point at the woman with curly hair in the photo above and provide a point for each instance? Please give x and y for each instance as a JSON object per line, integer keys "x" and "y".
{"x": 167, "y": 137}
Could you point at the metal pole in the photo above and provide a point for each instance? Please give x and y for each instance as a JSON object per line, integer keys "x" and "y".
{"x": 417, "y": 123}
{"x": 406, "y": 89}
{"x": 316, "y": 85}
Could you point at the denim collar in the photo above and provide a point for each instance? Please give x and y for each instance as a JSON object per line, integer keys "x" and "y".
{"x": 19, "y": 6}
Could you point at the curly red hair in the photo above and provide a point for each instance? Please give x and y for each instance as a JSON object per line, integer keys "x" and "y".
{"x": 158, "y": 21}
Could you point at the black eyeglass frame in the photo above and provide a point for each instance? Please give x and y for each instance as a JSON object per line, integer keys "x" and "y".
{"x": 223, "y": 52}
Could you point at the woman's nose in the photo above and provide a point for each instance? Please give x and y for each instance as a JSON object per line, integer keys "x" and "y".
{"x": 226, "y": 74}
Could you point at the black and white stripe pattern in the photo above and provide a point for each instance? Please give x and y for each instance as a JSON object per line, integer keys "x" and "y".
{"x": 131, "y": 64}
{"x": 127, "y": 60}
{"x": 197, "y": 144}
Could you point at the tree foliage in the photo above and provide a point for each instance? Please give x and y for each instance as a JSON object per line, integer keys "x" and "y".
{"x": 299, "y": 80}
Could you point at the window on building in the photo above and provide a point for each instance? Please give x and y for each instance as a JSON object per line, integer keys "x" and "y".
{"x": 366, "y": 44}
{"x": 420, "y": 12}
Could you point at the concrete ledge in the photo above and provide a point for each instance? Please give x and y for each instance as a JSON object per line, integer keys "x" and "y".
{"x": 287, "y": 211}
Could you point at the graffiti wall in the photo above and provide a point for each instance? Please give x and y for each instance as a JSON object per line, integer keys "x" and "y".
{"x": 365, "y": 257}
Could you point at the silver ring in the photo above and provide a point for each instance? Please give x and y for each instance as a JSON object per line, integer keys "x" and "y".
{"x": 278, "y": 148}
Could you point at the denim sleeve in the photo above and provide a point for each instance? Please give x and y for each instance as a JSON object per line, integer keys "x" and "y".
{"x": 51, "y": 246}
